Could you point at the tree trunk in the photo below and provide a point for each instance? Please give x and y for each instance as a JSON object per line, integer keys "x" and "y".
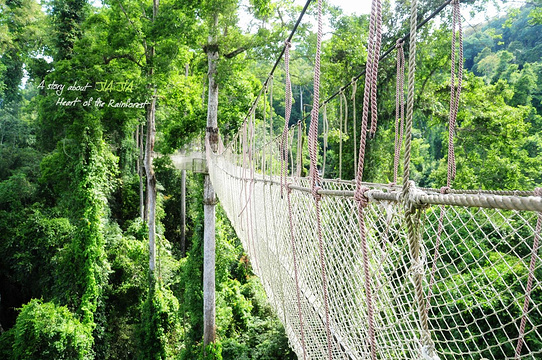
{"x": 140, "y": 159}
{"x": 151, "y": 183}
{"x": 209, "y": 327}
{"x": 151, "y": 134}
{"x": 209, "y": 311}
{"x": 183, "y": 213}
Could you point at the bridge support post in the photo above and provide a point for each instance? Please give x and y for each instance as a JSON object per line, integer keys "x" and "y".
{"x": 209, "y": 199}
{"x": 183, "y": 213}
{"x": 209, "y": 254}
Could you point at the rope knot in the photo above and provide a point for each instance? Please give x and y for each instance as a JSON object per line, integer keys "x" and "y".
{"x": 445, "y": 189}
{"x": 288, "y": 188}
{"x": 428, "y": 353}
{"x": 315, "y": 193}
{"x": 399, "y": 43}
{"x": 288, "y": 44}
{"x": 538, "y": 191}
{"x": 361, "y": 197}
{"x": 418, "y": 266}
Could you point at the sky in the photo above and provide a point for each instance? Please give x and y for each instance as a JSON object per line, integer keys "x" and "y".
{"x": 353, "y": 6}
{"x": 359, "y": 7}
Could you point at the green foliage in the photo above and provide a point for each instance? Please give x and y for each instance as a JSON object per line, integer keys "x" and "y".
{"x": 212, "y": 351}
{"x": 127, "y": 255}
{"x": 7, "y": 338}
{"x": 69, "y": 187}
{"x": 67, "y": 18}
{"x": 161, "y": 332}
{"x": 492, "y": 141}
{"x": 47, "y": 331}
{"x": 20, "y": 32}
{"x": 518, "y": 31}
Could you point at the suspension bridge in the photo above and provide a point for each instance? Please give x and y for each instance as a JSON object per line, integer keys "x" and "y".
{"x": 360, "y": 270}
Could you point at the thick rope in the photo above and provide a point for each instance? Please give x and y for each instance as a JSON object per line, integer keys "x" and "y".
{"x": 244, "y": 165}
{"x": 299, "y": 149}
{"x": 287, "y": 113}
{"x": 455, "y": 93}
{"x": 325, "y": 135}
{"x": 296, "y": 275}
{"x": 399, "y": 108}
{"x": 264, "y": 124}
{"x": 251, "y": 152}
{"x": 370, "y": 81}
{"x": 271, "y": 106}
{"x": 368, "y": 102}
{"x": 532, "y": 265}
{"x": 343, "y": 117}
{"x": 354, "y": 90}
{"x": 291, "y": 136}
{"x": 376, "y": 57}
{"x": 410, "y": 92}
{"x": 367, "y": 91}
{"x": 411, "y": 213}
{"x": 271, "y": 131}
{"x": 314, "y": 176}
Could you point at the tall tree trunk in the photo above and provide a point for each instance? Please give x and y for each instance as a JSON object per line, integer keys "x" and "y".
{"x": 151, "y": 134}
{"x": 183, "y": 193}
{"x": 151, "y": 183}
{"x": 209, "y": 311}
{"x": 141, "y": 157}
{"x": 183, "y": 213}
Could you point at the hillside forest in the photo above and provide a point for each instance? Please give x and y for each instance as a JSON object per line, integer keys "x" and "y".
{"x": 91, "y": 91}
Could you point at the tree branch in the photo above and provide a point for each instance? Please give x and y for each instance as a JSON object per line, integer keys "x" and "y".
{"x": 130, "y": 57}
{"x": 235, "y": 52}
{"x": 133, "y": 25}
{"x": 280, "y": 17}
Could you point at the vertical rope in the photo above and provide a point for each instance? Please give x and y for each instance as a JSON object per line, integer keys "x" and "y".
{"x": 410, "y": 91}
{"x": 263, "y": 165}
{"x": 271, "y": 130}
{"x": 532, "y": 265}
{"x": 455, "y": 93}
{"x": 369, "y": 101}
{"x": 298, "y": 292}
{"x": 345, "y": 123}
{"x": 251, "y": 152}
{"x": 243, "y": 144}
{"x": 366, "y": 94}
{"x": 299, "y": 149}
{"x": 341, "y": 119}
{"x": 399, "y": 107}
{"x": 411, "y": 213}
{"x": 271, "y": 106}
{"x": 325, "y": 133}
{"x": 291, "y": 136}
{"x": 376, "y": 56}
{"x": 354, "y": 90}
{"x": 314, "y": 176}
{"x": 287, "y": 113}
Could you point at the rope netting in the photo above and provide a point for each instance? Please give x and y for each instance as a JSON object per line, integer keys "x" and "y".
{"x": 475, "y": 304}
{"x": 360, "y": 270}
